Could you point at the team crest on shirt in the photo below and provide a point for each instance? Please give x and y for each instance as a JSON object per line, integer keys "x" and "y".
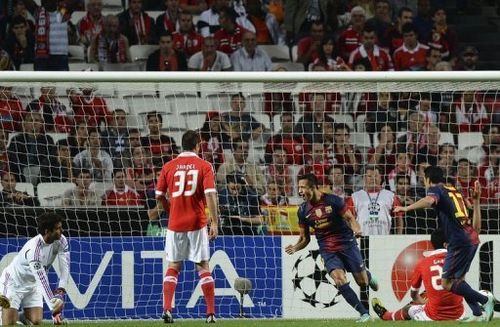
{"x": 318, "y": 212}
{"x": 328, "y": 209}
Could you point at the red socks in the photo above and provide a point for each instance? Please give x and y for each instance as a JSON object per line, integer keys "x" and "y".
{"x": 169, "y": 284}
{"x": 208, "y": 288}
{"x": 396, "y": 315}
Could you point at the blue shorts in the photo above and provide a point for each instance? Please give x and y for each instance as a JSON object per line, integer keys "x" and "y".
{"x": 349, "y": 260}
{"x": 458, "y": 261}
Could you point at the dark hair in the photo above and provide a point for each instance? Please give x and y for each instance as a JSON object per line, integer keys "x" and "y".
{"x": 365, "y": 62}
{"x": 321, "y": 53}
{"x": 230, "y": 13}
{"x": 310, "y": 178}
{"x": 134, "y": 130}
{"x": 436, "y": 9}
{"x": 119, "y": 110}
{"x": 438, "y": 239}
{"x": 238, "y": 95}
{"x": 486, "y": 129}
{"x": 93, "y": 130}
{"x": 78, "y": 171}
{"x": 332, "y": 167}
{"x": 190, "y": 140}
{"x": 61, "y": 143}
{"x": 434, "y": 174}
{"x": 236, "y": 143}
{"x": 154, "y": 114}
{"x": 16, "y": 20}
{"x": 369, "y": 28}
{"x": 431, "y": 48}
{"x": 116, "y": 171}
{"x": 464, "y": 160}
{"x": 404, "y": 9}
{"x": 342, "y": 126}
{"x": 165, "y": 33}
{"x": 48, "y": 221}
{"x": 372, "y": 167}
{"x": 408, "y": 28}
{"x": 398, "y": 177}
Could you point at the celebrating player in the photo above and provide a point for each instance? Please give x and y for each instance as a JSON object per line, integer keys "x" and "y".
{"x": 462, "y": 237}
{"x": 24, "y": 281}
{"x": 335, "y": 229}
{"x": 440, "y": 304}
{"x": 190, "y": 183}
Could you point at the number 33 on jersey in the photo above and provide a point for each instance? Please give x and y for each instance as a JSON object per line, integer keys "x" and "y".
{"x": 184, "y": 181}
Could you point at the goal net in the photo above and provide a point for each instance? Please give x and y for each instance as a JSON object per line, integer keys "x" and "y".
{"x": 91, "y": 145}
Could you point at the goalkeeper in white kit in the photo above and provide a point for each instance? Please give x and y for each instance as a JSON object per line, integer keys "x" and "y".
{"x": 24, "y": 283}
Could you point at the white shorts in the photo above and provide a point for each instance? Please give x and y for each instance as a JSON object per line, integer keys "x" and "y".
{"x": 417, "y": 313}
{"x": 192, "y": 246}
{"x": 20, "y": 296}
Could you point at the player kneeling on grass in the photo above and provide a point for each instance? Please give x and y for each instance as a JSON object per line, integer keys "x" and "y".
{"x": 439, "y": 304}
{"x": 24, "y": 281}
{"x": 189, "y": 183}
{"x": 336, "y": 230}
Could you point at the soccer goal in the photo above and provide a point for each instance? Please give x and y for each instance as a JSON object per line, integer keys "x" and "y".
{"x": 90, "y": 146}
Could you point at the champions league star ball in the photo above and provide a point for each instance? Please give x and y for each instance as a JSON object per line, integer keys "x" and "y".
{"x": 311, "y": 281}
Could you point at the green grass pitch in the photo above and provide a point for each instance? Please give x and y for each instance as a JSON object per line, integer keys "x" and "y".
{"x": 276, "y": 323}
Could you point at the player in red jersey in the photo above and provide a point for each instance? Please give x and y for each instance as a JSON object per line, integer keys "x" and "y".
{"x": 439, "y": 304}
{"x": 189, "y": 184}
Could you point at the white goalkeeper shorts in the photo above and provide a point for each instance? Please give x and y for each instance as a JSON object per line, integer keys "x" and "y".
{"x": 20, "y": 294}
{"x": 417, "y": 313}
{"x": 192, "y": 246}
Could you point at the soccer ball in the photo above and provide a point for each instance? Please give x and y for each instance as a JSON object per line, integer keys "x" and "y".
{"x": 312, "y": 282}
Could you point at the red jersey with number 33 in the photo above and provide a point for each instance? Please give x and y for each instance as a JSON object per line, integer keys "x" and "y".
{"x": 441, "y": 304}
{"x": 185, "y": 180}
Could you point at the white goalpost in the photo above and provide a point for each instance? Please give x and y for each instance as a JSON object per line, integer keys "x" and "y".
{"x": 89, "y": 145}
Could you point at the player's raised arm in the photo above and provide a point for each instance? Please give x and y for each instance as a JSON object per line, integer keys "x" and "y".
{"x": 476, "y": 213}
{"x": 426, "y": 202}
{"x": 304, "y": 239}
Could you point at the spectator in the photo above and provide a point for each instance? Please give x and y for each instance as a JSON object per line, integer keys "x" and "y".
{"x": 115, "y": 138}
{"x": 336, "y": 182}
{"x": 393, "y": 38}
{"x": 20, "y": 42}
{"x": 403, "y": 166}
{"x": 166, "y": 58}
{"x": 274, "y": 196}
{"x": 443, "y": 37}
{"x": 10, "y": 196}
{"x": 209, "y": 59}
{"x": 380, "y": 60}
{"x": 412, "y": 54}
{"x": 351, "y": 38}
{"x": 279, "y": 172}
{"x": 373, "y": 206}
{"x": 52, "y": 39}
{"x": 310, "y": 126}
{"x": 78, "y": 138}
{"x": 81, "y": 195}
{"x": 301, "y": 15}
{"x": 144, "y": 182}
{"x": 250, "y": 57}
{"x": 11, "y": 110}
{"x": 382, "y": 20}
{"x": 136, "y": 24}
{"x": 139, "y": 163}
{"x": 446, "y": 159}
{"x": 267, "y": 28}
{"x": 239, "y": 205}
{"x": 228, "y": 38}
{"x": 344, "y": 151}
{"x": 468, "y": 59}
{"x": 328, "y": 101}
{"x": 88, "y": 106}
{"x": 56, "y": 116}
{"x": 239, "y": 124}
{"x": 424, "y": 108}
{"x": 328, "y": 57}
{"x": 109, "y": 45}
{"x": 286, "y": 139}
{"x": 466, "y": 177}
{"x": 383, "y": 114}
{"x": 239, "y": 165}
{"x": 58, "y": 168}
{"x": 403, "y": 190}
{"x": 121, "y": 194}
{"x": 162, "y": 147}
{"x": 308, "y": 47}
{"x": 92, "y": 23}
{"x": 489, "y": 176}
{"x": 384, "y": 154}
{"x": 415, "y": 137}
{"x": 4, "y": 157}
{"x": 491, "y": 138}
{"x": 317, "y": 164}
{"x": 186, "y": 39}
{"x": 470, "y": 113}
{"x": 5, "y": 62}
{"x": 19, "y": 9}
{"x": 430, "y": 152}
{"x": 97, "y": 161}
{"x": 169, "y": 21}
{"x": 28, "y": 150}
{"x": 208, "y": 23}
{"x": 211, "y": 136}
{"x": 433, "y": 57}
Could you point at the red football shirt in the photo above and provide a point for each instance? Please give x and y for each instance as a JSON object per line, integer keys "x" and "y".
{"x": 186, "y": 179}
{"x": 441, "y": 304}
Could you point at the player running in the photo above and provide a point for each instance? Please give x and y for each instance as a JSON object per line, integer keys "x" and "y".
{"x": 335, "y": 229}
{"x": 462, "y": 237}
{"x": 24, "y": 283}
{"x": 439, "y": 304}
{"x": 190, "y": 183}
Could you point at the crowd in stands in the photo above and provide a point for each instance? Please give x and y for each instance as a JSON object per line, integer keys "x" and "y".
{"x": 219, "y": 35}
{"x": 105, "y": 162}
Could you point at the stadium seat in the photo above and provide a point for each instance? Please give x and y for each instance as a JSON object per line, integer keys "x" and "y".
{"x": 141, "y": 104}
{"x": 26, "y": 67}
{"x": 360, "y": 140}
{"x": 116, "y": 103}
{"x": 196, "y": 18}
{"x": 51, "y": 194}
{"x": 289, "y": 66}
{"x": 58, "y": 136}
{"x": 11, "y": 136}
{"x": 263, "y": 118}
{"x": 277, "y": 53}
{"x": 76, "y": 16}
{"x": 142, "y": 52}
{"x": 112, "y": 4}
{"x": 219, "y": 101}
{"x": 295, "y": 53}
{"x": 183, "y": 104}
{"x": 446, "y": 137}
{"x": 468, "y": 140}
{"x": 154, "y": 14}
{"x": 76, "y": 53}
{"x": 80, "y": 66}
{"x": 23, "y": 91}
{"x": 174, "y": 123}
{"x": 195, "y": 120}
{"x": 344, "y": 119}
{"x": 276, "y": 123}
{"x": 23, "y": 187}
{"x": 360, "y": 123}
{"x": 255, "y": 102}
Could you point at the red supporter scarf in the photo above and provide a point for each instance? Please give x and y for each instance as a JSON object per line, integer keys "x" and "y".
{"x": 42, "y": 34}
{"x": 142, "y": 27}
{"x": 108, "y": 52}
